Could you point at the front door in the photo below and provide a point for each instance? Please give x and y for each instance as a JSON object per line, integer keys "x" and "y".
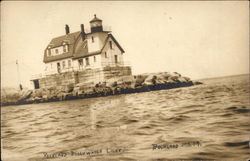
{"x": 36, "y": 84}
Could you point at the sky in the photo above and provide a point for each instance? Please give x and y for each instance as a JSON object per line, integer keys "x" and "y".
{"x": 196, "y": 39}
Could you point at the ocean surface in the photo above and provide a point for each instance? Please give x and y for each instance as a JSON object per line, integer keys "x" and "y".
{"x": 209, "y": 121}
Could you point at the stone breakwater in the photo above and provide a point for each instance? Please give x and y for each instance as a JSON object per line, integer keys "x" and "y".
{"x": 114, "y": 86}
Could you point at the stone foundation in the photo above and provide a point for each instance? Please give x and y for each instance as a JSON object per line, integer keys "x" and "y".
{"x": 89, "y": 76}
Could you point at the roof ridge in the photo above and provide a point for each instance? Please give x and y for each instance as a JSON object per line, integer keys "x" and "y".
{"x": 67, "y": 34}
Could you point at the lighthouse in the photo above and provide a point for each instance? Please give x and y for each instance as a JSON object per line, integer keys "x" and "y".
{"x": 96, "y": 25}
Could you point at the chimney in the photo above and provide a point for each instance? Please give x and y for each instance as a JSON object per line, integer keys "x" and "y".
{"x": 82, "y": 32}
{"x": 82, "y": 28}
{"x": 67, "y": 29}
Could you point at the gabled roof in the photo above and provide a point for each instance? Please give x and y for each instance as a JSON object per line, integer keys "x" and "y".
{"x": 69, "y": 39}
{"x": 73, "y": 51}
{"x": 83, "y": 50}
{"x": 118, "y": 45}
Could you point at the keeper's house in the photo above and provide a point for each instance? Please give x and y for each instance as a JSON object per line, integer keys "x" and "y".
{"x": 81, "y": 57}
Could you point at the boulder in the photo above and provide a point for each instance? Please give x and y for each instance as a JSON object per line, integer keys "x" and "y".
{"x": 126, "y": 80}
{"x": 45, "y": 97}
{"x": 88, "y": 90}
{"x": 182, "y": 80}
{"x": 111, "y": 82}
{"x": 37, "y": 99}
{"x": 139, "y": 80}
{"x": 177, "y": 74}
{"x": 197, "y": 83}
{"x": 114, "y": 84}
{"x": 165, "y": 75}
{"x": 150, "y": 80}
{"x": 187, "y": 79}
{"x": 161, "y": 78}
{"x": 25, "y": 94}
{"x": 68, "y": 88}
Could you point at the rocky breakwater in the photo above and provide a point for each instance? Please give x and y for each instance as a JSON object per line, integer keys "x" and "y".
{"x": 114, "y": 86}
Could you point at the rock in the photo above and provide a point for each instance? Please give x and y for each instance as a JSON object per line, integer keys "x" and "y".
{"x": 161, "y": 78}
{"x": 83, "y": 88}
{"x": 45, "y": 97}
{"x": 174, "y": 78}
{"x": 115, "y": 85}
{"x": 25, "y": 94}
{"x": 197, "y": 83}
{"x": 37, "y": 99}
{"x": 139, "y": 80}
{"x": 150, "y": 80}
{"x": 187, "y": 79}
{"x": 76, "y": 91}
{"x": 67, "y": 88}
{"x": 88, "y": 90}
{"x": 177, "y": 74}
{"x": 170, "y": 81}
{"x": 63, "y": 96}
{"x": 126, "y": 80}
{"x": 182, "y": 80}
{"x": 165, "y": 75}
{"x": 110, "y": 82}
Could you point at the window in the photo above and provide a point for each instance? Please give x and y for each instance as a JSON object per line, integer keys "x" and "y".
{"x": 69, "y": 63}
{"x": 110, "y": 44}
{"x": 64, "y": 49}
{"x": 58, "y": 67}
{"x": 87, "y": 61}
{"x": 92, "y": 38}
{"x": 56, "y": 50}
{"x": 94, "y": 59}
{"x": 116, "y": 59}
{"x": 49, "y": 52}
{"x": 80, "y": 62}
{"x": 105, "y": 54}
{"x": 63, "y": 64}
{"x": 51, "y": 65}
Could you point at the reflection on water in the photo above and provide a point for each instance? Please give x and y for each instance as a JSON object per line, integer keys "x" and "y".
{"x": 215, "y": 114}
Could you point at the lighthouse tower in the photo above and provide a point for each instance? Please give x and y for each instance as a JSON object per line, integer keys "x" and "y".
{"x": 96, "y": 25}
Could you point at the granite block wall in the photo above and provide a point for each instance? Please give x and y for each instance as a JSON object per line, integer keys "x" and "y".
{"x": 89, "y": 76}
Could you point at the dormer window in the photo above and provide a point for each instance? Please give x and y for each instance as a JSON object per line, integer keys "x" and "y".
{"x": 92, "y": 38}
{"x": 48, "y": 52}
{"x": 64, "y": 49}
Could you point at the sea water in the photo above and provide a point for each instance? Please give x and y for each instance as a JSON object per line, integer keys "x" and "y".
{"x": 209, "y": 121}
